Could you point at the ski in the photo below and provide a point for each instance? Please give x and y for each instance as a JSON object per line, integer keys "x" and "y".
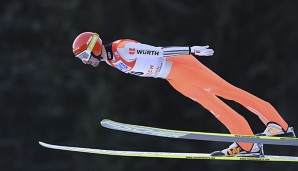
{"x": 199, "y": 135}
{"x": 170, "y": 155}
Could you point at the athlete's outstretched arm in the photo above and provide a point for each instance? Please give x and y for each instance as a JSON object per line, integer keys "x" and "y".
{"x": 140, "y": 50}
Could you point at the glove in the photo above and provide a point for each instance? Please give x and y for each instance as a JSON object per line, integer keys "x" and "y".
{"x": 201, "y": 51}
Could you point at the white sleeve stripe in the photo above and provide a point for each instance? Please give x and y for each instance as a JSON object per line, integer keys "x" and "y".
{"x": 176, "y": 50}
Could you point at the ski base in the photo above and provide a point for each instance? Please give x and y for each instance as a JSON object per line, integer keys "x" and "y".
{"x": 170, "y": 155}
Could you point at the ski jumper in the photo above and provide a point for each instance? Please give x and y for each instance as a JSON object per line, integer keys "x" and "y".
{"x": 194, "y": 80}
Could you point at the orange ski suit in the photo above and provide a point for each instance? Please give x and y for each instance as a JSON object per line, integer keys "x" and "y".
{"x": 196, "y": 81}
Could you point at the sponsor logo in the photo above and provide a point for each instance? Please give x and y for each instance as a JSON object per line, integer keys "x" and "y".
{"x": 89, "y": 40}
{"x": 131, "y": 51}
{"x": 136, "y": 73}
{"x": 150, "y": 70}
{"x": 121, "y": 66}
{"x": 148, "y": 52}
{"x": 110, "y": 56}
{"x": 157, "y": 70}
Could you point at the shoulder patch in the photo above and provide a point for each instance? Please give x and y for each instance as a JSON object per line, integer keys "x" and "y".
{"x": 121, "y": 66}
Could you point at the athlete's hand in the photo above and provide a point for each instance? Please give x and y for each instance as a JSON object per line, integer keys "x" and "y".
{"x": 201, "y": 51}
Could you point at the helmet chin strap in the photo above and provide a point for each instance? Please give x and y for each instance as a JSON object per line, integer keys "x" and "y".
{"x": 99, "y": 57}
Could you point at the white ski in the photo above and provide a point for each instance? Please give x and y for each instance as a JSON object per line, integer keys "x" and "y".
{"x": 196, "y": 156}
{"x": 199, "y": 135}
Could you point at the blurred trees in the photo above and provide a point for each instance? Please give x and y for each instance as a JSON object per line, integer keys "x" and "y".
{"x": 48, "y": 95}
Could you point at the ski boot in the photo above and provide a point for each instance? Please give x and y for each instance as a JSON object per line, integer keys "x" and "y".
{"x": 274, "y": 129}
{"x": 235, "y": 150}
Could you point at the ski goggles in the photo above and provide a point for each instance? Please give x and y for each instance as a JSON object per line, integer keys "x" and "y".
{"x": 86, "y": 54}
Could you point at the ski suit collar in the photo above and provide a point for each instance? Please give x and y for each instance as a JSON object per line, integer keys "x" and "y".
{"x": 109, "y": 51}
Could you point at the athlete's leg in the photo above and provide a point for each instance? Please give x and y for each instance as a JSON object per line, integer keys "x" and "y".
{"x": 186, "y": 78}
{"x": 263, "y": 109}
{"x": 211, "y": 82}
{"x": 235, "y": 123}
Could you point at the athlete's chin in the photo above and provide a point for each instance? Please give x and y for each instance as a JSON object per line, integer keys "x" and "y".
{"x": 95, "y": 64}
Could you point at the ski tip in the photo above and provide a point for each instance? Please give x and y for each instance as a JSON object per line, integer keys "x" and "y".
{"x": 42, "y": 143}
{"x": 104, "y": 121}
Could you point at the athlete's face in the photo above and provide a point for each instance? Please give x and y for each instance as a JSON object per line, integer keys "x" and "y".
{"x": 92, "y": 61}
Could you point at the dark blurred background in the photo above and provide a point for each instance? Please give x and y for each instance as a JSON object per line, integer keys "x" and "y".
{"x": 48, "y": 95}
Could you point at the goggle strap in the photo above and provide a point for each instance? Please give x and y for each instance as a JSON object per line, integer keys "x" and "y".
{"x": 92, "y": 42}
